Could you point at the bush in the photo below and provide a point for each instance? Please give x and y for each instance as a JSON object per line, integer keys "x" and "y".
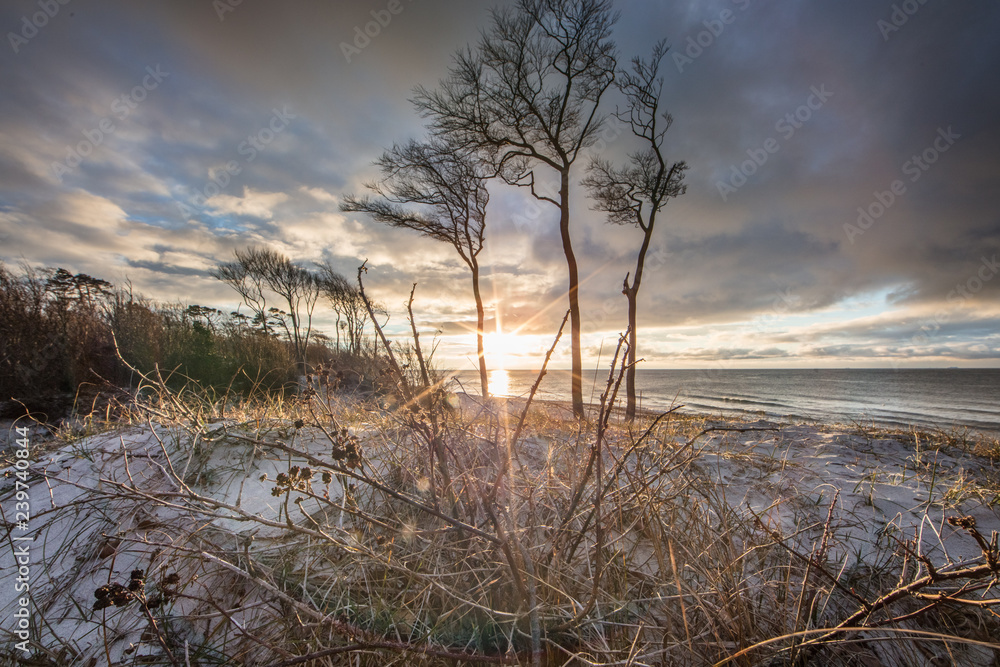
{"x": 59, "y": 331}
{"x": 49, "y": 344}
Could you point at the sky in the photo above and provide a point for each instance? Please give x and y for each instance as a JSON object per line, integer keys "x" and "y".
{"x": 843, "y": 204}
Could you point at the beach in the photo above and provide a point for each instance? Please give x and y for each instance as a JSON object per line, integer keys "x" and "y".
{"x": 556, "y": 333}
{"x": 201, "y": 515}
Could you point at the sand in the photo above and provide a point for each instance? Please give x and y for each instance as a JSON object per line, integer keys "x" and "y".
{"x": 83, "y": 534}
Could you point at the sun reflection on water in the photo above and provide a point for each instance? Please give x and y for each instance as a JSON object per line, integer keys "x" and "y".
{"x": 499, "y": 382}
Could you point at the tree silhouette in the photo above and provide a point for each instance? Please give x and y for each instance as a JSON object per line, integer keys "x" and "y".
{"x": 257, "y": 271}
{"x": 83, "y": 289}
{"x": 242, "y": 275}
{"x": 345, "y": 299}
{"x": 438, "y": 190}
{"x": 528, "y": 95}
{"x": 636, "y": 193}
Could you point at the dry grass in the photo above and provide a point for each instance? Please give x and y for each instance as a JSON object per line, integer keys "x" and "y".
{"x": 424, "y": 535}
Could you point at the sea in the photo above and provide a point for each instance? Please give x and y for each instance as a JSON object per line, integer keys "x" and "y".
{"x": 947, "y": 399}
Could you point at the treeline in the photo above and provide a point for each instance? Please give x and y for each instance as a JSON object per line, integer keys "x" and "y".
{"x": 59, "y": 332}
{"x": 264, "y": 277}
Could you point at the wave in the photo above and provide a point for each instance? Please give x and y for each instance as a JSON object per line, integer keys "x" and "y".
{"x": 928, "y": 398}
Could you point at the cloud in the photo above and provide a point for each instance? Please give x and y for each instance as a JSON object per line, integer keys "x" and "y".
{"x": 252, "y": 204}
{"x": 321, "y": 195}
{"x": 768, "y": 275}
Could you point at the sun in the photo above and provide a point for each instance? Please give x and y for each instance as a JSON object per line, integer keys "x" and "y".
{"x": 501, "y": 349}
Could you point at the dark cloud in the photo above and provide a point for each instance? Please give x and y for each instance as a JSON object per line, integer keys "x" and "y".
{"x": 758, "y": 263}
{"x": 167, "y": 269}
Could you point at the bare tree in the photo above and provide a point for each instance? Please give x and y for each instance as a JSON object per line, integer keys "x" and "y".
{"x": 242, "y": 276}
{"x": 636, "y": 193}
{"x": 448, "y": 189}
{"x": 299, "y": 289}
{"x": 345, "y": 299}
{"x": 529, "y": 94}
{"x": 257, "y": 271}
{"x": 334, "y": 287}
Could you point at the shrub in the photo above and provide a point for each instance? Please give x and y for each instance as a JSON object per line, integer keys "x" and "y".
{"x": 59, "y": 331}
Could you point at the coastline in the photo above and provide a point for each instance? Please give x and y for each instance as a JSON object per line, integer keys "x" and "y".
{"x": 965, "y": 435}
{"x": 901, "y": 400}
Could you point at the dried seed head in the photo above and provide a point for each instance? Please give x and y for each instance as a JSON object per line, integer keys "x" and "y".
{"x": 965, "y": 522}
{"x": 111, "y": 595}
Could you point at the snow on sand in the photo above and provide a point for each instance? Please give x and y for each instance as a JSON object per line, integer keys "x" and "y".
{"x": 85, "y": 534}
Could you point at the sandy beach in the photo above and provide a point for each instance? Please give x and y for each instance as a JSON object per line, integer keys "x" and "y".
{"x": 199, "y": 514}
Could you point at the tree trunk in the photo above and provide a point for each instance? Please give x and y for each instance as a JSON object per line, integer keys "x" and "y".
{"x": 574, "y": 297}
{"x": 631, "y": 295}
{"x": 480, "y": 319}
{"x": 295, "y": 340}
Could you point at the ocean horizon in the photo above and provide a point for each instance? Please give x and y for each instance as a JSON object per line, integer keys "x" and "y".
{"x": 928, "y": 398}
